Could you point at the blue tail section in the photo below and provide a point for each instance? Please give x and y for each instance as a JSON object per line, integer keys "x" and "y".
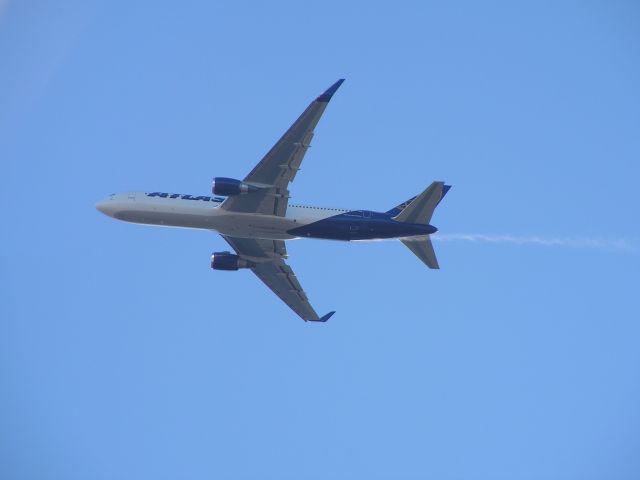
{"x": 396, "y": 210}
{"x": 445, "y": 189}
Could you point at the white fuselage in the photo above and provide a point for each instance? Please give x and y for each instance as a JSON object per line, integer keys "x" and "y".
{"x": 186, "y": 211}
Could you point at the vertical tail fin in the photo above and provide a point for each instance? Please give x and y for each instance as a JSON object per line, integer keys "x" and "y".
{"x": 420, "y": 210}
{"x": 399, "y": 208}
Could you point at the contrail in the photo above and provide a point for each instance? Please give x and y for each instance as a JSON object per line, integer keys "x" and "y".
{"x": 571, "y": 242}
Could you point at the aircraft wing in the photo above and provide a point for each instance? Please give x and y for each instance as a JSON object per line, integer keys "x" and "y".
{"x": 280, "y": 165}
{"x": 270, "y": 267}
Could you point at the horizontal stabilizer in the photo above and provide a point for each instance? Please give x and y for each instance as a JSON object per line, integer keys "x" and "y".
{"x": 423, "y": 249}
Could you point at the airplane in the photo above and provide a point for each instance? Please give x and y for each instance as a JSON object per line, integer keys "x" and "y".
{"x": 255, "y": 218}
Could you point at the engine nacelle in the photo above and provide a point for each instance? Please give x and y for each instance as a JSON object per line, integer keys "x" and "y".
{"x": 228, "y": 261}
{"x": 230, "y": 186}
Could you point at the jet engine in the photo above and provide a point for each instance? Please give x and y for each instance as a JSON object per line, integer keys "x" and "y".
{"x": 230, "y": 186}
{"x": 228, "y": 261}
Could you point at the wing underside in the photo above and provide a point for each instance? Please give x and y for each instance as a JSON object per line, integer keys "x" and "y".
{"x": 270, "y": 267}
{"x": 271, "y": 177}
{"x": 280, "y": 165}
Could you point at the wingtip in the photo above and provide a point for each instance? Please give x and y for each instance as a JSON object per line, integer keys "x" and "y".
{"x": 325, "y": 318}
{"x": 326, "y": 96}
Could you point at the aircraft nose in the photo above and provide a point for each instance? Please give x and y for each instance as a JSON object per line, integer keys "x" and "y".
{"x": 105, "y": 207}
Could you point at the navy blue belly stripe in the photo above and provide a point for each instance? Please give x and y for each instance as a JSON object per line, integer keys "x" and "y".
{"x": 359, "y": 225}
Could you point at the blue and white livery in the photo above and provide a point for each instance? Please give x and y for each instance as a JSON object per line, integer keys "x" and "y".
{"x": 255, "y": 218}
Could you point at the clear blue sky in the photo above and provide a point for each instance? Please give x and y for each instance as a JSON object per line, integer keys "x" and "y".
{"x": 124, "y": 356}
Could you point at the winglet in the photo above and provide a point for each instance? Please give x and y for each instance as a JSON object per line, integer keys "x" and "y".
{"x": 326, "y": 96}
{"x": 325, "y": 318}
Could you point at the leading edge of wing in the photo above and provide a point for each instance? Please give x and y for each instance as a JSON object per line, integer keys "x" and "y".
{"x": 328, "y": 93}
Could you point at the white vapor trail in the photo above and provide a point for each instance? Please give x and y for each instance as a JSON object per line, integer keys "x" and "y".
{"x": 571, "y": 242}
